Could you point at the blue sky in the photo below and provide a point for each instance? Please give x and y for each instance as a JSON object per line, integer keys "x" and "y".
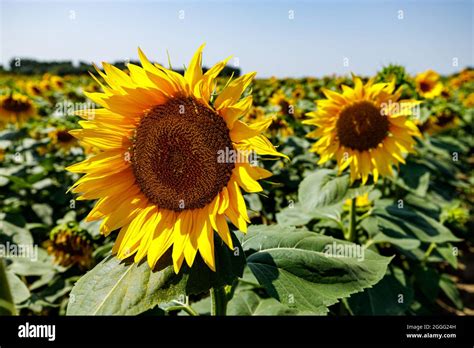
{"x": 321, "y": 37}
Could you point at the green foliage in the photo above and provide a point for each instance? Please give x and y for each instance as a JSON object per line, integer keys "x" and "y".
{"x": 295, "y": 267}
{"x": 415, "y": 231}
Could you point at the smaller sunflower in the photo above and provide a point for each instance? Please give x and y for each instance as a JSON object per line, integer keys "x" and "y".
{"x": 33, "y": 88}
{"x": 57, "y": 82}
{"x": 363, "y": 202}
{"x": 279, "y": 126}
{"x": 428, "y": 84}
{"x": 464, "y": 77}
{"x": 298, "y": 92}
{"x": 45, "y": 85}
{"x": 442, "y": 120}
{"x": 286, "y": 104}
{"x": 70, "y": 245}
{"x": 468, "y": 101}
{"x": 15, "y": 108}
{"x": 61, "y": 139}
{"x": 367, "y": 128}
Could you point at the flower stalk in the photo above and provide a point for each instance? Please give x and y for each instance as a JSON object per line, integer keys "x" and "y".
{"x": 352, "y": 221}
{"x": 219, "y": 301}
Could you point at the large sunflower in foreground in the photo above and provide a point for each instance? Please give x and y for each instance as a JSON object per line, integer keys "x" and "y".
{"x": 161, "y": 177}
{"x": 365, "y": 128}
{"x": 15, "y": 108}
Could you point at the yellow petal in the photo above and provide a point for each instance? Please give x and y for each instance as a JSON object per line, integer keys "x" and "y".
{"x": 194, "y": 71}
{"x": 245, "y": 180}
{"x": 233, "y": 91}
{"x": 223, "y": 231}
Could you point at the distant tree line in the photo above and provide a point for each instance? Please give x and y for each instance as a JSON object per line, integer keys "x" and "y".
{"x": 26, "y": 66}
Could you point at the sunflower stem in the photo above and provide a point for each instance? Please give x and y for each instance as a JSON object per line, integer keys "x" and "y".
{"x": 352, "y": 221}
{"x": 7, "y": 306}
{"x": 188, "y": 309}
{"x": 428, "y": 253}
{"x": 219, "y": 301}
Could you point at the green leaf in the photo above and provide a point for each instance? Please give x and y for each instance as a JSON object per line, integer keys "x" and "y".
{"x": 18, "y": 182}
{"x": 30, "y": 267}
{"x": 448, "y": 253}
{"x": 18, "y": 289}
{"x": 415, "y": 223}
{"x": 120, "y": 288}
{"x": 448, "y": 286}
{"x": 39, "y": 185}
{"x": 116, "y": 287}
{"x": 391, "y": 296}
{"x": 428, "y": 280}
{"x": 298, "y": 215}
{"x": 414, "y": 178}
{"x": 249, "y": 303}
{"x": 44, "y": 212}
{"x": 296, "y": 267}
{"x": 294, "y": 216}
{"x": 385, "y": 231}
{"x": 19, "y": 235}
{"x": 322, "y": 188}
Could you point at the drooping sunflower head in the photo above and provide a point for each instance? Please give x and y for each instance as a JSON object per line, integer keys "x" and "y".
{"x": 70, "y": 245}
{"x": 443, "y": 118}
{"x": 366, "y": 128}
{"x": 15, "y": 108}
{"x": 428, "y": 84}
{"x": 174, "y": 156}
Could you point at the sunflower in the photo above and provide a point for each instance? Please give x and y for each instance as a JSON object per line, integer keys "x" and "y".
{"x": 365, "y": 127}
{"x": 33, "y": 88}
{"x": 70, "y": 245}
{"x": 280, "y": 99}
{"x": 298, "y": 93}
{"x": 468, "y": 101}
{"x": 15, "y": 108}
{"x": 464, "y": 77}
{"x": 279, "y": 126}
{"x": 160, "y": 176}
{"x": 443, "y": 119}
{"x": 363, "y": 202}
{"x": 428, "y": 84}
{"x": 61, "y": 139}
{"x": 57, "y": 82}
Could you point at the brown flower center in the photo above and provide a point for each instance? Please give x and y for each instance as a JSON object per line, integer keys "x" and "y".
{"x": 425, "y": 86}
{"x": 176, "y": 155}
{"x": 64, "y": 136}
{"x": 361, "y": 126}
{"x": 15, "y": 105}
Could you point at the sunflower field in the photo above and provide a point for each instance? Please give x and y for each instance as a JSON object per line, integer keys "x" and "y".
{"x": 355, "y": 194}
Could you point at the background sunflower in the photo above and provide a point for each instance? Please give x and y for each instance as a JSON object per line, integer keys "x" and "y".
{"x": 366, "y": 128}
